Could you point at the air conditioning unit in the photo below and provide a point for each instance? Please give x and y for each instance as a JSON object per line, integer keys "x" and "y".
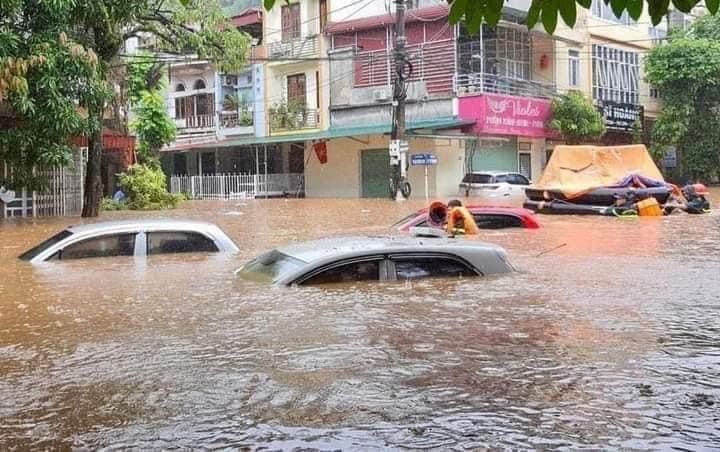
{"x": 380, "y": 95}
{"x": 230, "y": 80}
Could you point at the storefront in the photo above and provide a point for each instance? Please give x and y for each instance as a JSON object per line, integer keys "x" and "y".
{"x": 624, "y": 122}
{"x": 511, "y": 132}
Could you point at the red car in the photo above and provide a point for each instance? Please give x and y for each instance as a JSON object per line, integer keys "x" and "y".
{"x": 486, "y": 217}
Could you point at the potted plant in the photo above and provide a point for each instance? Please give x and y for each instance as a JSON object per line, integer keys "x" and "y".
{"x": 231, "y": 102}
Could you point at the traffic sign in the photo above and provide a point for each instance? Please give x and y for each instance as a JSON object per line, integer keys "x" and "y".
{"x": 423, "y": 159}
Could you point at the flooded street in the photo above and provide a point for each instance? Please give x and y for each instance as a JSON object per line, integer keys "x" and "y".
{"x": 608, "y": 341}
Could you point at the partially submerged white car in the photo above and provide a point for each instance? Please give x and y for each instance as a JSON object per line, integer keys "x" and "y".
{"x": 131, "y": 238}
{"x": 345, "y": 259}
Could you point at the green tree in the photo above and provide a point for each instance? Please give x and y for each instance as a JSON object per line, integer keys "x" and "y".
{"x": 475, "y": 12}
{"x": 177, "y": 27}
{"x": 152, "y": 124}
{"x": 576, "y": 118}
{"x": 686, "y": 71}
{"x": 45, "y": 78}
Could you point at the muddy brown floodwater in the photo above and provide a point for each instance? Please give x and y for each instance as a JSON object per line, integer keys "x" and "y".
{"x": 609, "y": 342}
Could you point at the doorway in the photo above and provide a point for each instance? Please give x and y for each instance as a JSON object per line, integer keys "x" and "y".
{"x": 375, "y": 173}
{"x": 525, "y": 164}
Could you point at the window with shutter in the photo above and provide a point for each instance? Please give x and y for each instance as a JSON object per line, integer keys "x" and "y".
{"x": 296, "y": 90}
{"x": 290, "y": 16}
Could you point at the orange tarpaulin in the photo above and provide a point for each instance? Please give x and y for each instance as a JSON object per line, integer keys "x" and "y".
{"x": 574, "y": 170}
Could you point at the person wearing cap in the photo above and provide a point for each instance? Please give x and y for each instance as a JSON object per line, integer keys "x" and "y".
{"x": 696, "y": 198}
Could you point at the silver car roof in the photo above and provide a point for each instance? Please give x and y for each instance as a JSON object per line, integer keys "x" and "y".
{"x": 324, "y": 248}
{"x": 493, "y": 172}
{"x": 142, "y": 224}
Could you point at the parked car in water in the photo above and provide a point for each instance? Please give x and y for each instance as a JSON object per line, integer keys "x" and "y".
{"x": 493, "y": 183}
{"x": 346, "y": 259}
{"x": 486, "y": 217}
{"x": 131, "y": 238}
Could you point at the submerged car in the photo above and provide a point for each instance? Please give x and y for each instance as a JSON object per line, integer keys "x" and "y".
{"x": 346, "y": 259}
{"x": 493, "y": 184}
{"x": 131, "y": 238}
{"x": 486, "y": 217}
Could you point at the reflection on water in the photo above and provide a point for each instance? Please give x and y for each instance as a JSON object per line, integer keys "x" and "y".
{"x": 609, "y": 341}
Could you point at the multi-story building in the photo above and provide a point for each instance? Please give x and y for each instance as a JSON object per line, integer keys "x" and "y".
{"x": 603, "y": 58}
{"x": 476, "y": 101}
{"x": 317, "y": 99}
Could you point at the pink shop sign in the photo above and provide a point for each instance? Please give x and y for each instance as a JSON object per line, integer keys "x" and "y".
{"x": 507, "y": 115}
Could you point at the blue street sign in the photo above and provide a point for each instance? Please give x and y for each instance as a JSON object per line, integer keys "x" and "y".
{"x": 423, "y": 159}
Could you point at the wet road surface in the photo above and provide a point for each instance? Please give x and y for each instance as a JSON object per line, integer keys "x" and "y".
{"x": 610, "y": 341}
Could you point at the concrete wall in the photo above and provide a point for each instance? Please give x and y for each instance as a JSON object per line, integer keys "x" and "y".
{"x": 341, "y": 175}
{"x": 381, "y": 113}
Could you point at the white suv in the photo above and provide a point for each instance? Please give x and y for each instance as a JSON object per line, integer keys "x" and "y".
{"x": 493, "y": 183}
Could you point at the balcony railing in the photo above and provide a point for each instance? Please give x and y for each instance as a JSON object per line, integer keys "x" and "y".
{"x": 196, "y": 122}
{"x": 233, "y": 119}
{"x": 296, "y": 48}
{"x": 284, "y": 120}
{"x": 479, "y": 83}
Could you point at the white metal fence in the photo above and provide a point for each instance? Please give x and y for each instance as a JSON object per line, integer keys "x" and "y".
{"x": 62, "y": 194}
{"x": 237, "y": 186}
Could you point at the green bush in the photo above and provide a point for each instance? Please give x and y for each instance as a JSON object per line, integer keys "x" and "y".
{"x": 144, "y": 186}
{"x": 110, "y": 204}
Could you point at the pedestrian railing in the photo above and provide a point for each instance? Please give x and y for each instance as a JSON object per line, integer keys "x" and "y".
{"x": 237, "y": 186}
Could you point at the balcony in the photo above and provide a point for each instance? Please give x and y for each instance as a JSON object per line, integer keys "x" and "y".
{"x": 236, "y": 123}
{"x": 195, "y": 123}
{"x": 284, "y": 118}
{"x": 295, "y": 48}
{"x": 479, "y": 83}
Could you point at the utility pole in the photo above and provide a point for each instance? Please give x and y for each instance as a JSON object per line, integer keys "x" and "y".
{"x": 399, "y": 187}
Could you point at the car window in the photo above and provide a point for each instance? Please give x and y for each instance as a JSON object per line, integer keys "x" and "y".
{"x": 270, "y": 266}
{"x": 37, "y": 249}
{"x": 472, "y": 178}
{"x": 355, "y": 271}
{"x": 103, "y": 246}
{"x": 517, "y": 179}
{"x": 167, "y": 242}
{"x": 501, "y": 178}
{"x": 430, "y": 267}
{"x": 405, "y": 219}
{"x": 497, "y": 221}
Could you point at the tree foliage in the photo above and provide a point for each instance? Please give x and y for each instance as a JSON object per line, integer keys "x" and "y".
{"x": 686, "y": 71}
{"x": 476, "y": 12}
{"x": 576, "y": 118}
{"x": 178, "y": 27}
{"x": 46, "y": 78}
{"x": 152, "y": 124}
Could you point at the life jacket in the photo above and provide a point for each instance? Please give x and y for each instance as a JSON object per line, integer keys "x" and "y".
{"x": 461, "y": 221}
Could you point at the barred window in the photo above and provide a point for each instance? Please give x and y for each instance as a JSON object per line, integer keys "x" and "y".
{"x": 616, "y": 75}
{"x": 574, "y": 67}
{"x": 602, "y": 10}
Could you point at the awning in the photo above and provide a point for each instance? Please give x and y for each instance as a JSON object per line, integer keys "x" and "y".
{"x": 334, "y": 132}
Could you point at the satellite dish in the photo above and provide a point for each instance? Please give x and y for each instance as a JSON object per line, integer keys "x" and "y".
{"x": 6, "y": 195}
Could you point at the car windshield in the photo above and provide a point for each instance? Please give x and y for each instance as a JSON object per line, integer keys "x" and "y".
{"x": 405, "y": 219}
{"x": 477, "y": 178}
{"x": 270, "y": 266}
{"x": 36, "y": 250}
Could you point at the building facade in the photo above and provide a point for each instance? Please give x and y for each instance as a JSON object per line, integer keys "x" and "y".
{"x": 317, "y": 99}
